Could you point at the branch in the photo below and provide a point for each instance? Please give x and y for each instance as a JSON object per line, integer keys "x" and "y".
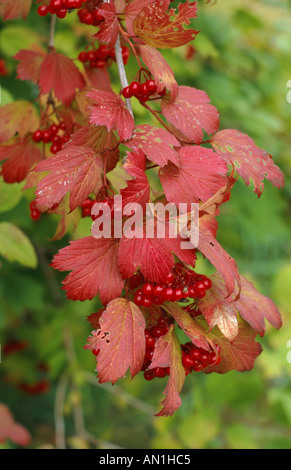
{"x": 51, "y": 44}
{"x": 122, "y": 73}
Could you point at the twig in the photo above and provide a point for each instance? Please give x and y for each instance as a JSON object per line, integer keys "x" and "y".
{"x": 122, "y": 73}
{"x": 122, "y": 394}
{"x": 51, "y": 44}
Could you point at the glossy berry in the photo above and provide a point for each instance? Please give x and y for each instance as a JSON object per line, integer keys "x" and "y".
{"x": 46, "y": 136}
{"x": 42, "y": 10}
{"x": 37, "y": 136}
{"x": 147, "y": 302}
{"x": 187, "y": 361}
{"x": 149, "y": 375}
{"x": 83, "y": 57}
{"x": 147, "y": 289}
{"x": 151, "y": 87}
{"x": 126, "y": 92}
{"x": 134, "y": 88}
{"x": 35, "y": 214}
{"x": 157, "y": 331}
{"x": 160, "y": 372}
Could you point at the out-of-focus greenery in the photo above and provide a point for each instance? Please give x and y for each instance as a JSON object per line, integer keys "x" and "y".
{"x": 242, "y": 60}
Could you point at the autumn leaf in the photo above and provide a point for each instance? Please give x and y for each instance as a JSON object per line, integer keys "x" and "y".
{"x": 10, "y": 429}
{"x": 94, "y": 267}
{"x": 109, "y": 110}
{"x": 108, "y": 29}
{"x": 217, "y": 256}
{"x": 131, "y": 12}
{"x": 168, "y": 354}
{"x": 161, "y": 29}
{"x": 154, "y": 256}
{"x": 59, "y": 73}
{"x": 138, "y": 189}
{"x": 218, "y": 310}
{"x": 12, "y": 9}
{"x": 255, "y": 308}
{"x": 200, "y": 176}
{"x": 121, "y": 341}
{"x": 252, "y": 163}
{"x": 99, "y": 139}
{"x": 97, "y": 78}
{"x": 18, "y": 117}
{"x": 29, "y": 66}
{"x": 68, "y": 219}
{"x": 74, "y": 169}
{"x": 194, "y": 331}
{"x": 156, "y": 143}
{"x": 20, "y": 158}
{"x": 239, "y": 354}
{"x": 190, "y": 113}
{"x": 161, "y": 71}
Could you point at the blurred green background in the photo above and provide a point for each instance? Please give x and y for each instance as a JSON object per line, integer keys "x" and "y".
{"x": 242, "y": 59}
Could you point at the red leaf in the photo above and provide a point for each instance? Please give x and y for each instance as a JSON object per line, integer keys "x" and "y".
{"x": 59, "y": 73}
{"x": 138, "y": 189}
{"x": 213, "y": 251}
{"x": 218, "y": 310}
{"x": 108, "y": 29}
{"x": 74, "y": 169}
{"x": 20, "y": 116}
{"x": 121, "y": 341}
{"x": 97, "y": 78}
{"x": 156, "y": 144}
{"x": 201, "y": 175}
{"x": 239, "y": 354}
{"x": 255, "y": 307}
{"x": 20, "y": 158}
{"x": 132, "y": 10}
{"x": 109, "y": 110}
{"x": 162, "y": 29}
{"x": 161, "y": 71}
{"x": 11, "y": 430}
{"x": 152, "y": 255}
{"x": 194, "y": 331}
{"x": 29, "y": 64}
{"x": 94, "y": 267}
{"x": 190, "y": 113}
{"x": 251, "y": 162}
{"x": 12, "y": 9}
{"x": 98, "y": 139}
{"x": 168, "y": 354}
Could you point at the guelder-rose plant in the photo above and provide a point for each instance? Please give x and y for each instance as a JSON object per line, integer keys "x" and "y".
{"x": 68, "y": 145}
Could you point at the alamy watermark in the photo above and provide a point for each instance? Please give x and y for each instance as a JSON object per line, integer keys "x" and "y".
{"x": 156, "y": 221}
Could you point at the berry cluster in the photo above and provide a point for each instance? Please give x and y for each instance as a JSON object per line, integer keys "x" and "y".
{"x": 142, "y": 91}
{"x": 51, "y": 136}
{"x": 90, "y": 17}
{"x": 60, "y": 7}
{"x": 196, "y": 359}
{"x": 101, "y": 57}
{"x": 152, "y": 334}
{"x": 181, "y": 284}
{"x": 35, "y": 214}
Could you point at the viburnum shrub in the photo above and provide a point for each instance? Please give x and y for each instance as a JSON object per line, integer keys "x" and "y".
{"x": 69, "y": 147}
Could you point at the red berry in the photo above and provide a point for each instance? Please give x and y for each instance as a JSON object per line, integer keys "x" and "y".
{"x": 162, "y": 321}
{"x": 98, "y": 18}
{"x": 163, "y": 91}
{"x": 91, "y": 55}
{"x": 126, "y": 92}
{"x": 150, "y": 342}
{"x": 102, "y": 52}
{"x": 135, "y": 281}
{"x": 86, "y": 212}
{"x": 78, "y": 3}
{"x": 55, "y": 148}
{"x": 170, "y": 278}
{"x": 147, "y": 302}
{"x": 100, "y": 63}
{"x": 158, "y": 290}
{"x": 83, "y": 57}
{"x": 95, "y": 352}
{"x": 57, "y": 139}
{"x": 134, "y": 88}
{"x": 168, "y": 293}
{"x": 62, "y": 126}
{"x": 196, "y": 354}
{"x": 54, "y": 128}
{"x": 149, "y": 375}
{"x": 138, "y": 299}
{"x": 149, "y": 354}
{"x": 205, "y": 358}
{"x": 70, "y": 4}
{"x": 178, "y": 294}
{"x": 56, "y": 4}
{"x": 144, "y": 89}
{"x": 157, "y": 331}
{"x": 197, "y": 366}
{"x": 147, "y": 289}
{"x": 207, "y": 283}
{"x": 32, "y": 205}
{"x": 88, "y": 18}
{"x": 151, "y": 87}
{"x": 37, "y": 136}
{"x": 187, "y": 361}
{"x": 143, "y": 99}
{"x": 35, "y": 214}
{"x": 160, "y": 372}
{"x": 42, "y": 10}
{"x": 62, "y": 13}
{"x": 46, "y": 136}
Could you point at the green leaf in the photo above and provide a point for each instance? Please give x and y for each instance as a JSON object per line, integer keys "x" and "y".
{"x": 10, "y": 195}
{"x": 15, "y": 246}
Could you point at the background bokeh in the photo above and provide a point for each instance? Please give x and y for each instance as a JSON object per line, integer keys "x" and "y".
{"x": 242, "y": 59}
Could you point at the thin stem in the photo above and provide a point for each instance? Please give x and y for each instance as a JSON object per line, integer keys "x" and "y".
{"x": 51, "y": 44}
{"x": 122, "y": 73}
